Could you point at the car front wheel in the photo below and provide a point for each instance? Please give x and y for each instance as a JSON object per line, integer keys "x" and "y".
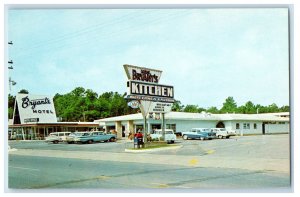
{"x": 112, "y": 139}
{"x": 185, "y": 137}
{"x": 90, "y": 141}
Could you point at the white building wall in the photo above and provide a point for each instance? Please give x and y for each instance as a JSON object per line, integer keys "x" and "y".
{"x": 186, "y": 125}
{"x": 269, "y": 128}
{"x": 277, "y": 128}
{"x": 231, "y": 125}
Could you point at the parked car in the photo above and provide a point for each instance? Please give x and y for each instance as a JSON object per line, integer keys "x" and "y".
{"x": 71, "y": 138}
{"x": 56, "y": 137}
{"x": 202, "y": 135}
{"x": 178, "y": 133}
{"x": 222, "y": 132}
{"x": 170, "y": 137}
{"x": 194, "y": 131}
{"x": 91, "y": 137}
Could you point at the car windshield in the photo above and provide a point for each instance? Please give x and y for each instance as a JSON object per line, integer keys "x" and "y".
{"x": 222, "y": 129}
{"x": 169, "y": 132}
{"x": 205, "y": 130}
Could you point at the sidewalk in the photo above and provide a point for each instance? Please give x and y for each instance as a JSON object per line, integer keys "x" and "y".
{"x": 257, "y": 164}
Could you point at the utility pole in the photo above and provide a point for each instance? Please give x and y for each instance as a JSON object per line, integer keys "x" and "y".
{"x": 163, "y": 126}
{"x": 11, "y": 82}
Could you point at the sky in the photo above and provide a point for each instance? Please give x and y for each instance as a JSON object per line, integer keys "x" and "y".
{"x": 206, "y": 54}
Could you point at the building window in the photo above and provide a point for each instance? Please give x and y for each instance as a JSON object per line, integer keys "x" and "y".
{"x": 237, "y": 126}
{"x": 246, "y": 126}
{"x": 139, "y": 128}
{"x": 171, "y": 126}
{"x": 254, "y": 126}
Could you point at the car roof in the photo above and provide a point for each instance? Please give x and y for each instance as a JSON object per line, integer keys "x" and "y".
{"x": 165, "y": 129}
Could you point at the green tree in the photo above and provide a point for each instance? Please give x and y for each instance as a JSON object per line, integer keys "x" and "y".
{"x": 177, "y": 106}
{"x": 248, "y": 108}
{"x": 273, "y": 108}
{"x": 23, "y": 91}
{"x": 213, "y": 110}
{"x": 229, "y": 106}
{"x": 191, "y": 108}
{"x": 11, "y": 105}
{"x": 284, "y": 108}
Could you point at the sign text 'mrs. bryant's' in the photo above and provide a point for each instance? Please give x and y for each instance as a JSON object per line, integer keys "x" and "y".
{"x": 151, "y": 90}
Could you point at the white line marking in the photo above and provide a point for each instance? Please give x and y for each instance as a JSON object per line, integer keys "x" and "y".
{"x": 24, "y": 168}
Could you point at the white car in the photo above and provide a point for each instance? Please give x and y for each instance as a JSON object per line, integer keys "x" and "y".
{"x": 222, "y": 132}
{"x": 56, "y": 137}
{"x": 170, "y": 137}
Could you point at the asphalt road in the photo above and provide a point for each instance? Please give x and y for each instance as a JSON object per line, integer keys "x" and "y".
{"x": 240, "y": 163}
{"x": 27, "y": 172}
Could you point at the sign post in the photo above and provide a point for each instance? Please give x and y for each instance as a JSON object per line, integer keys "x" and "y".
{"x": 143, "y": 87}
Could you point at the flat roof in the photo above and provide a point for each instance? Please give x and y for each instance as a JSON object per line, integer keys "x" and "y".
{"x": 201, "y": 116}
{"x": 70, "y": 124}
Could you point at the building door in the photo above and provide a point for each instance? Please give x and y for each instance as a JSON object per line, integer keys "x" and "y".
{"x": 263, "y": 128}
{"x": 220, "y": 125}
{"x": 123, "y": 131}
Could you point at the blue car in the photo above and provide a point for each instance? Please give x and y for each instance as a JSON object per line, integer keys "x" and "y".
{"x": 200, "y": 135}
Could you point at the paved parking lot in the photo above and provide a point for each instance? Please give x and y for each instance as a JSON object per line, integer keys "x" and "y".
{"x": 239, "y": 162}
{"x": 270, "y": 152}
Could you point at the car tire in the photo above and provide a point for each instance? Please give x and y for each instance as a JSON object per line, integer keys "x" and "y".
{"x": 185, "y": 137}
{"x": 112, "y": 139}
{"x": 55, "y": 142}
{"x": 220, "y": 136}
{"x": 227, "y": 137}
{"x": 90, "y": 141}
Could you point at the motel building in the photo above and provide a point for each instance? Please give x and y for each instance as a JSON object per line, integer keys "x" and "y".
{"x": 243, "y": 124}
{"x": 35, "y": 118}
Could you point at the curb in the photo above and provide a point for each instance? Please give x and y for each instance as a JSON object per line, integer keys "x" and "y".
{"x": 152, "y": 150}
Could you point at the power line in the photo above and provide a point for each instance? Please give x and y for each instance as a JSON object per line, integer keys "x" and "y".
{"x": 69, "y": 36}
{"x": 106, "y": 35}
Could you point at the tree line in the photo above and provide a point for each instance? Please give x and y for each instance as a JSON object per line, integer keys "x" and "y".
{"x": 230, "y": 106}
{"x": 86, "y": 105}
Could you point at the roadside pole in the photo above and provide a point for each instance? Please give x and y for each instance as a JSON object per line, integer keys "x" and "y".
{"x": 144, "y": 107}
{"x": 163, "y": 126}
{"x": 145, "y": 128}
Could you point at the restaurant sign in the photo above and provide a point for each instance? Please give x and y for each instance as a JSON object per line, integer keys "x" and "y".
{"x": 160, "y": 107}
{"x": 142, "y": 74}
{"x": 150, "y": 89}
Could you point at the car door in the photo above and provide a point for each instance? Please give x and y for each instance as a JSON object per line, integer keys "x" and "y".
{"x": 200, "y": 134}
{"x": 193, "y": 134}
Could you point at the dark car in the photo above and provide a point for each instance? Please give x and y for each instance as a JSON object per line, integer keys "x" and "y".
{"x": 200, "y": 135}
